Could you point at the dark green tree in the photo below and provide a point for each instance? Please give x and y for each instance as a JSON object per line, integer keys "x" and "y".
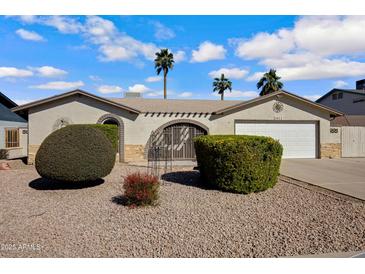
{"x": 221, "y": 85}
{"x": 164, "y": 62}
{"x": 269, "y": 83}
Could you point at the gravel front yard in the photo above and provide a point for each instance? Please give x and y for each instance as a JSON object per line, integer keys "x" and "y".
{"x": 190, "y": 221}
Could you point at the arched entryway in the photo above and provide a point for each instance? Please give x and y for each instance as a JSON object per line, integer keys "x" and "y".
{"x": 112, "y": 119}
{"x": 175, "y": 139}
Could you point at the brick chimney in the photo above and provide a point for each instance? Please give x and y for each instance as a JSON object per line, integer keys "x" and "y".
{"x": 129, "y": 94}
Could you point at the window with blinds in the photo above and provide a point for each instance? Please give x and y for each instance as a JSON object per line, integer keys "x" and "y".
{"x": 11, "y": 137}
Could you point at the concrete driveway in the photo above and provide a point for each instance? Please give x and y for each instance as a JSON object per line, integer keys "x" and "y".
{"x": 345, "y": 175}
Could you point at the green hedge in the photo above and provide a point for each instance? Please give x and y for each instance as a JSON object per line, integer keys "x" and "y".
{"x": 238, "y": 163}
{"x": 75, "y": 153}
{"x": 111, "y": 132}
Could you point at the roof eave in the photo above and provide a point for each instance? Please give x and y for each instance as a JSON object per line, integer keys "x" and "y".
{"x": 278, "y": 93}
{"x": 11, "y": 102}
{"x": 70, "y": 93}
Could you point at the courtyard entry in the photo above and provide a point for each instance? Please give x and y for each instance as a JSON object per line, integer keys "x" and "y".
{"x": 175, "y": 142}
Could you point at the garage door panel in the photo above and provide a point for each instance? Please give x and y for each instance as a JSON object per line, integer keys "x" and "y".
{"x": 298, "y": 139}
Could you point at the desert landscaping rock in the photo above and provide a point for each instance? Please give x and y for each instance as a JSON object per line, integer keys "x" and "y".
{"x": 189, "y": 221}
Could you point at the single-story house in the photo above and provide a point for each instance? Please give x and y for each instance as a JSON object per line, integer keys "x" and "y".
{"x": 302, "y": 126}
{"x": 348, "y": 101}
{"x": 13, "y": 131}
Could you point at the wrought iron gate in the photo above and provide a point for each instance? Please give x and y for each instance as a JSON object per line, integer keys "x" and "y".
{"x": 175, "y": 142}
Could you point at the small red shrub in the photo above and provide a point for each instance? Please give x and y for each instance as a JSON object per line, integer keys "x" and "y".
{"x": 141, "y": 189}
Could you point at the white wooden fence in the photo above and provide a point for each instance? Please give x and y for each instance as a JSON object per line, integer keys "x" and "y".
{"x": 353, "y": 141}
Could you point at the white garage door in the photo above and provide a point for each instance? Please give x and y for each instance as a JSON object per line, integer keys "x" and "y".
{"x": 298, "y": 139}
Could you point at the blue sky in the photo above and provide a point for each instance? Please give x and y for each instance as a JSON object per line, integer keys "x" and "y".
{"x": 42, "y": 56}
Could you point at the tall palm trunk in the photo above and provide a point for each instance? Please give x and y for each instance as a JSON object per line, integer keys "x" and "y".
{"x": 164, "y": 83}
{"x": 222, "y": 96}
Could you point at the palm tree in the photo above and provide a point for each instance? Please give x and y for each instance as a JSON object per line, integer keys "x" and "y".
{"x": 221, "y": 85}
{"x": 269, "y": 83}
{"x": 163, "y": 62}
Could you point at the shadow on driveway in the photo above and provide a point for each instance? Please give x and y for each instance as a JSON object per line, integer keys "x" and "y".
{"x": 46, "y": 184}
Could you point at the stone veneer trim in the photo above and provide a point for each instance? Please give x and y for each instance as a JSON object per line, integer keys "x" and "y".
{"x": 331, "y": 150}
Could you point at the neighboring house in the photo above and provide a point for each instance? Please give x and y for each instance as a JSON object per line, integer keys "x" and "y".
{"x": 13, "y": 131}
{"x": 302, "y": 126}
{"x": 348, "y": 101}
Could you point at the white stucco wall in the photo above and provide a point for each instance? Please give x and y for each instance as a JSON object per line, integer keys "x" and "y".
{"x": 83, "y": 110}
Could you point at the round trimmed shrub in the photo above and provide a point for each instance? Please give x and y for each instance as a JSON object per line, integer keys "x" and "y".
{"x": 75, "y": 153}
{"x": 238, "y": 163}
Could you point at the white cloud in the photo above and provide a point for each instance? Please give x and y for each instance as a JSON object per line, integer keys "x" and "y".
{"x": 232, "y": 73}
{"x": 185, "y": 94}
{"x": 290, "y": 60}
{"x": 319, "y": 69}
{"x": 60, "y": 85}
{"x": 105, "y": 89}
{"x": 44, "y": 71}
{"x": 340, "y": 84}
{"x": 14, "y": 72}
{"x": 29, "y": 35}
{"x": 94, "y": 78}
{"x": 317, "y": 47}
{"x": 208, "y": 51}
{"x": 323, "y": 69}
{"x": 99, "y": 26}
{"x": 238, "y": 94}
{"x": 330, "y": 35}
{"x": 153, "y": 79}
{"x": 256, "y": 76}
{"x": 264, "y": 45}
{"x": 312, "y": 97}
{"x": 63, "y": 24}
{"x": 162, "y": 32}
{"x": 138, "y": 88}
{"x": 113, "y": 44}
{"x": 319, "y": 35}
{"x": 179, "y": 56}
{"x": 115, "y": 53}
{"x": 28, "y": 18}
{"x": 49, "y": 71}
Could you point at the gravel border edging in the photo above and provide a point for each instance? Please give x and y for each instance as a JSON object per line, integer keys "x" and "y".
{"x": 324, "y": 191}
